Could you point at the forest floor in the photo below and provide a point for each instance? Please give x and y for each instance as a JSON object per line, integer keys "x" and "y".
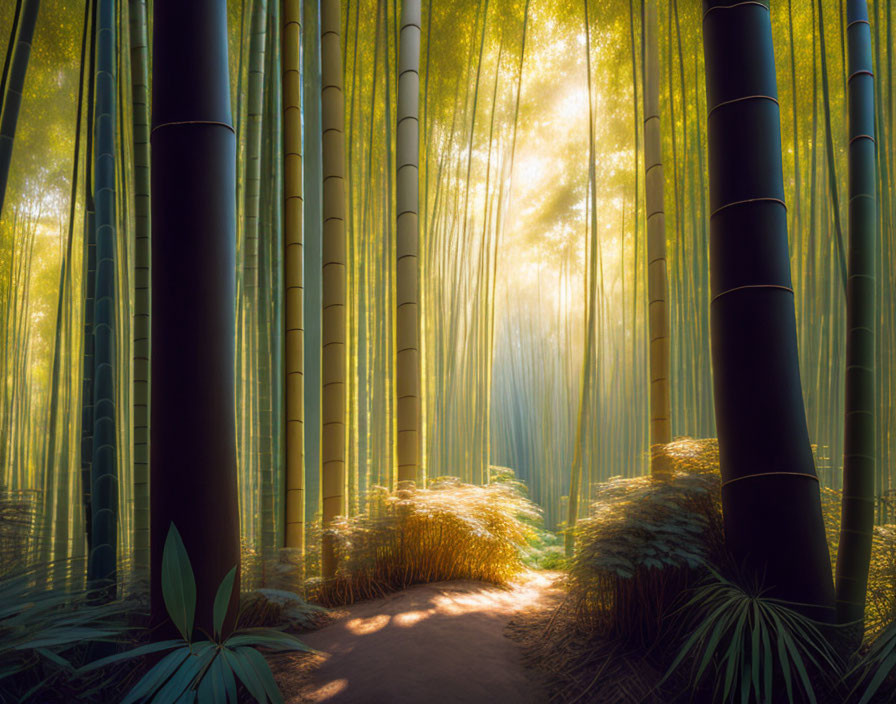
{"x": 442, "y": 642}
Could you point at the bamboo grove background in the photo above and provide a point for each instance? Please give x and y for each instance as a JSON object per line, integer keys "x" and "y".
{"x": 522, "y": 234}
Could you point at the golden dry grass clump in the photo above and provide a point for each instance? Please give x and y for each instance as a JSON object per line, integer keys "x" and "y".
{"x": 449, "y": 530}
{"x": 645, "y": 541}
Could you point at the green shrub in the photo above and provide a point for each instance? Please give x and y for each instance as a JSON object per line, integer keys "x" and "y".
{"x": 545, "y": 551}
{"x": 650, "y": 568}
{"x": 279, "y": 607}
{"x": 646, "y": 539}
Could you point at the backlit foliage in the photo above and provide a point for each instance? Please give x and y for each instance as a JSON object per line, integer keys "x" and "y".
{"x": 646, "y": 540}
{"x": 450, "y": 530}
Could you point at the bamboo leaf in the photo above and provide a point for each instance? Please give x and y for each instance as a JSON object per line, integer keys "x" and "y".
{"x": 178, "y": 584}
{"x": 256, "y": 661}
{"x": 130, "y": 654}
{"x": 266, "y": 638}
{"x": 222, "y": 600}
{"x": 214, "y": 687}
{"x": 185, "y": 677}
{"x": 246, "y": 674}
{"x": 156, "y": 678}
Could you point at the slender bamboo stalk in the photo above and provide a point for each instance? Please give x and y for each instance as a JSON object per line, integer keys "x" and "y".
{"x": 103, "y": 470}
{"x": 829, "y": 144}
{"x": 15, "y": 85}
{"x": 407, "y": 380}
{"x": 591, "y": 322}
{"x": 333, "y": 273}
{"x": 660, "y": 406}
{"x": 140, "y": 119}
{"x": 10, "y": 48}
{"x": 857, "y": 521}
{"x": 293, "y": 284}
{"x": 89, "y": 285}
{"x": 270, "y": 157}
{"x": 312, "y": 232}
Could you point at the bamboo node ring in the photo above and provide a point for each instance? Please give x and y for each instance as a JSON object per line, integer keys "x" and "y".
{"x": 805, "y": 475}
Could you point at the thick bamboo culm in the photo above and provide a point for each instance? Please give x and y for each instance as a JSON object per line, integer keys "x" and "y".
{"x": 765, "y": 456}
{"x": 193, "y": 481}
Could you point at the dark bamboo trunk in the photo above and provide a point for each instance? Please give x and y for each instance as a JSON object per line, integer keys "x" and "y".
{"x": 89, "y": 278}
{"x": 770, "y": 492}
{"x": 102, "y": 561}
{"x": 193, "y": 436}
{"x": 854, "y": 551}
{"x": 13, "y": 86}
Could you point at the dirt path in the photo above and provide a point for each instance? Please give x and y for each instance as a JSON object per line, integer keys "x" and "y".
{"x": 432, "y": 643}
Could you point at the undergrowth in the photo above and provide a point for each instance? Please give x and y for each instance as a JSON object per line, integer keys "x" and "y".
{"x": 17, "y": 509}
{"x": 650, "y": 581}
{"x": 449, "y": 530}
{"x": 742, "y": 646}
{"x": 645, "y": 541}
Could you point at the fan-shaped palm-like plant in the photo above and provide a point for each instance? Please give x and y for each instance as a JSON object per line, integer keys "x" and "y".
{"x": 752, "y": 644}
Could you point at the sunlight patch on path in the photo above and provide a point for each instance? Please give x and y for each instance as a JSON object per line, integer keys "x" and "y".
{"x": 437, "y": 643}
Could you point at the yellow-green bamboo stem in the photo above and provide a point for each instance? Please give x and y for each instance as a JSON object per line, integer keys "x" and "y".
{"x": 293, "y": 282}
{"x": 407, "y": 381}
{"x": 658, "y": 327}
{"x": 333, "y": 329}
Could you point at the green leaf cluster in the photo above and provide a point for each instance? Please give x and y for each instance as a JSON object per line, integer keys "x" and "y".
{"x": 649, "y": 523}
{"x": 205, "y": 671}
{"x": 645, "y": 541}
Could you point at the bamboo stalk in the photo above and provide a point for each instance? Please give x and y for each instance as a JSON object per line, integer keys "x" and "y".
{"x": 660, "y": 406}
{"x": 333, "y": 327}
{"x": 857, "y": 521}
{"x": 765, "y": 456}
{"x": 14, "y": 86}
{"x": 293, "y": 249}
{"x": 407, "y": 351}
